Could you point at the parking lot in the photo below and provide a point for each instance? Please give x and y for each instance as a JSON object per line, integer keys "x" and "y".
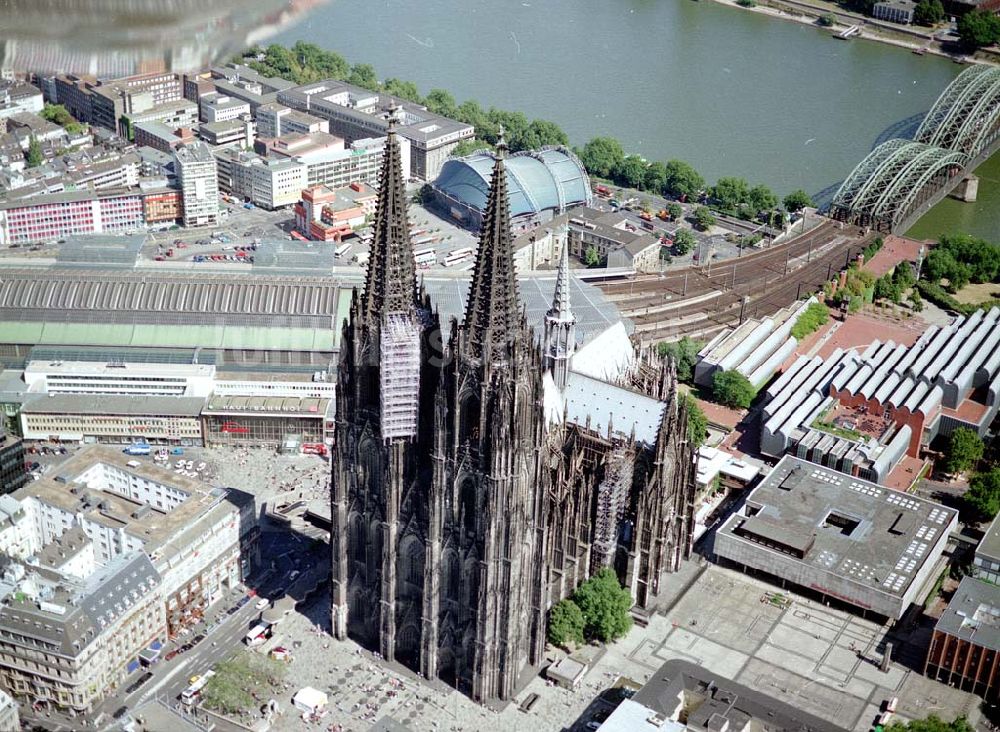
{"x": 238, "y": 229}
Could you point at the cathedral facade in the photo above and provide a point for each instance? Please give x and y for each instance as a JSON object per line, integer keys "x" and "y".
{"x": 473, "y": 486}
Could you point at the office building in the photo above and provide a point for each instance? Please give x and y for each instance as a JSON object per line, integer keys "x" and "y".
{"x": 56, "y": 216}
{"x": 355, "y": 113}
{"x": 105, "y": 103}
{"x": 275, "y": 120}
{"x": 965, "y": 647}
{"x": 239, "y": 132}
{"x": 220, "y": 108}
{"x": 13, "y": 474}
{"x": 329, "y": 163}
{"x": 198, "y": 178}
{"x": 842, "y": 537}
{"x": 176, "y": 114}
{"x": 266, "y": 182}
{"x": 986, "y": 563}
{"x": 242, "y": 82}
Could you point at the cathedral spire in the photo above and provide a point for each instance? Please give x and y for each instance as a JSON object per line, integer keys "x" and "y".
{"x": 560, "y": 325}
{"x": 560, "y": 309}
{"x": 492, "y": 315}
{"x": 390, "y": 283}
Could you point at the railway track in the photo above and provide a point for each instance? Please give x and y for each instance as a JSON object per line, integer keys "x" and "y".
{"x": 700, "y": 301}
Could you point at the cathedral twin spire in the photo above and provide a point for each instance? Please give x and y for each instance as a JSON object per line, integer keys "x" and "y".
{"x": 493, "y": 319}
{"x": 493, "y": 312}
{"x": 390, "y": 283}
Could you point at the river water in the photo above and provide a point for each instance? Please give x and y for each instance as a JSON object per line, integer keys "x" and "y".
{"x": 731, "y": 92}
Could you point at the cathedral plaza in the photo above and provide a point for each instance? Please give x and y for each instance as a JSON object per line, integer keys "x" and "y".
{"x": 820, "y": 659}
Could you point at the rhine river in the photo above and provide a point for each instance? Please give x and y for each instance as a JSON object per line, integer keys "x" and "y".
{"x": 731, "y": 92}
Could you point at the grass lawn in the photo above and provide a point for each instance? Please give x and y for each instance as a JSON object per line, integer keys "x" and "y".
{"x": 975, "y": 294}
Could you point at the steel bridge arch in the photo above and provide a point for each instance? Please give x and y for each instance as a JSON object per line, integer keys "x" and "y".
{"x": 884, "y": 185}
{"x": 969, "y": 103}
{"x": 863, "y": 171}
{"x": 894, "y": 205}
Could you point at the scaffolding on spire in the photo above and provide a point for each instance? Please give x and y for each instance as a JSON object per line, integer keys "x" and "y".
{"x": 399, "y": 375}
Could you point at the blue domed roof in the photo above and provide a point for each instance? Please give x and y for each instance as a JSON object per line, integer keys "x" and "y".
{"x": 552, "y": 179}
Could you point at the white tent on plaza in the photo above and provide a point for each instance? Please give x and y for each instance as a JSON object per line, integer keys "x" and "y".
{"x": 310, "y": 700}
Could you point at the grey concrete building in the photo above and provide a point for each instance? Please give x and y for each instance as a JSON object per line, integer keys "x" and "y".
{"x": 683, "y": 696}
{"x": 845, "y": 538}
{"x": 242, "y": 82}
{"x": 986, "y": 564}
{"x": 355, "y": 113}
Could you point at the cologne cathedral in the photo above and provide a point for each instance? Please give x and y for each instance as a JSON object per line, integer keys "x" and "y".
{"x": 482, "y": 472}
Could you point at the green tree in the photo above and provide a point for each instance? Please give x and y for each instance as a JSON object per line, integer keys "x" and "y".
{"x": 470, "y": 113}
{"x": 316, "y": 63}
{"x": 965, "y": 450}
{"x": 983, "y": 497}
{"x": 566, "y": 623}
{"x": 796, "y": 201}
{"x": 541, "y": 133}
{"x": 703, "y": 218}
{"x": 684, "y": 242}
{"x": 731, "y": 193}
{"x": 33, "y": 158}
{"x": 403, "y": 89}
{"x": 441, "y": 102}
{"x": 630, "y": 172}
{"x": 682, "y": 179}
{"x": 363, "y": 75}
{"x": 827, "y": 20}
{"x": 684, "y": 354}
{"x": 591, "y": 257}
{"x": 812, "y": 319}
{"x": 928, "y": 12}
{"x": 697, "y": 422}
{"x": 978, "y": 28}
{"x": 58, "y": 114}
{"x": 933, "y": 723}
{"x": 655, "y": 178}
{"x": 916, "y": 301}
{"x": 675, "y": 210}
{"x": 761, "y": 198}
{"x": 732, "y": 389}
{"x": 605, "y": 605}
{"x": 602, "y": 155}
